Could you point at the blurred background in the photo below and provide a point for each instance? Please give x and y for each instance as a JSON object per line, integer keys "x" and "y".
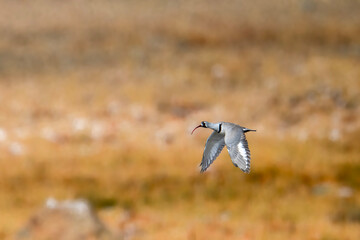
{"x": 98, "y": 99}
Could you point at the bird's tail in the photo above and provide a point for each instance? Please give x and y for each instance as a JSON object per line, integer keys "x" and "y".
{"x": 248, "y": 130}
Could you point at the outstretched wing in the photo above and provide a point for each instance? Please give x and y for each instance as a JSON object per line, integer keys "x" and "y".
{"x": 214, "y": 144}
{"x": 238, "y": 149}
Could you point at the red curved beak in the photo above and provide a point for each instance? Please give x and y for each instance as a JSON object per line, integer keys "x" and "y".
{"x": 196, "y": 128}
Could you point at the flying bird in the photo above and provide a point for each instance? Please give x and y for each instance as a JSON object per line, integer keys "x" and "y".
{"x": 231, "y": 135}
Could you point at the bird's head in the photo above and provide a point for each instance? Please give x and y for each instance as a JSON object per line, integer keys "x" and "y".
{"x": 203, "y": 124}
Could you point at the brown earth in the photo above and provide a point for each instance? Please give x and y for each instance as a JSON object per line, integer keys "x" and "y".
{"x": 99, "y": 98}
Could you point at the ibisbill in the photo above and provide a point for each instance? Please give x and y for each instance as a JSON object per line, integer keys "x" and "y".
{"x": 231, "y": 135}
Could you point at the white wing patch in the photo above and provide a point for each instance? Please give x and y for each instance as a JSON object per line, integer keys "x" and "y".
{"x": 238, "y": 148}
{"x": 242, "y": 151}
{"x": 240, "y": 155}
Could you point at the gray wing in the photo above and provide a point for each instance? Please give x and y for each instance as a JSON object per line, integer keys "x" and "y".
{"x": 238, "y": 149}
{"x": 214, "y": 144}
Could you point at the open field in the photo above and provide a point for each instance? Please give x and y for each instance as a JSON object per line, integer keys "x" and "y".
{"x": 99, "y": 99}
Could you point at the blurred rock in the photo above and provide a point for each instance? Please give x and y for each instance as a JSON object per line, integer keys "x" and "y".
{"x": 97, "y": 131}
{"x": 224, "y": 216}
{"x": 3, "y": 135}
{"x": 16, "y": 148}
{"x": 137, "y": 112}
{"x": 113, "y": 108}
{"x": 60, "y": 220}
{"x": 302, "y": 135}
{"x": 321, "y": 189}
{"x": 79, "y": 124}
{"x": 345, "y": 192}
{"x": 49, "y": 134}
{"x": 127, "y": 226}
{"x": 335, "y": 135}
{"x": 218, "y": 71}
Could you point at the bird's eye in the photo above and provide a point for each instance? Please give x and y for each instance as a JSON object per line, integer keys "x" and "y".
{"x": 203, "y": 124}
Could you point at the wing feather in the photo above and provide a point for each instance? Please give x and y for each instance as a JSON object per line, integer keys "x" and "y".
{"x": 238, "y": 149}
{"x": 214, "y": 145}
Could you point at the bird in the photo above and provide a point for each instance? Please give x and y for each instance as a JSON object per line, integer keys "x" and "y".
{"x": 231, "y": 135}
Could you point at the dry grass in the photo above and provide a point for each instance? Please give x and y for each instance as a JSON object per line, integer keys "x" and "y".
{"x": 98, "y": 99}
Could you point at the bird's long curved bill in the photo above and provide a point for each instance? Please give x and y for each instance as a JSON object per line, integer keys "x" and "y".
{"x": 195, "y": 129}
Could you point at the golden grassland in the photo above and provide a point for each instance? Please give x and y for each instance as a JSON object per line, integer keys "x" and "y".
{"x": 99, "y": 98}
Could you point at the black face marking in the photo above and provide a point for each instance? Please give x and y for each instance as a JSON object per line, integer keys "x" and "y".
{"x": 220, "y": 128}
